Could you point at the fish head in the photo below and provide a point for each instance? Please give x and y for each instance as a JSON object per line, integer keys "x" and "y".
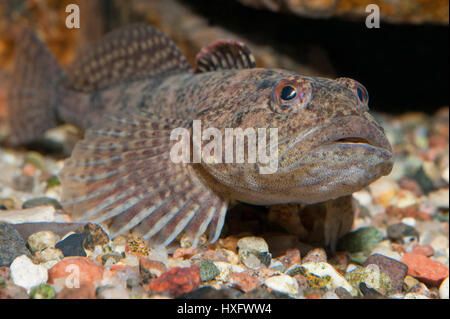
{"x": 317, "y": 135}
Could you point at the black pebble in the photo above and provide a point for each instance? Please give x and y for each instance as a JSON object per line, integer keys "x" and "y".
{"x": 72, "y": 245}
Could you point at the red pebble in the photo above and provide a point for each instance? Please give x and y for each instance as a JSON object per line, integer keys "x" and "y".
{"x": 177, "y": 281}
{"x": 291, "y": 257}
{"x": 244, "y": 281}
{"x": 83, "y": 268}
{"x": 424, "y": 269}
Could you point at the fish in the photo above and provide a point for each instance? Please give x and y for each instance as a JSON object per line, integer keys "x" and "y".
{"x": 135, "y": 88}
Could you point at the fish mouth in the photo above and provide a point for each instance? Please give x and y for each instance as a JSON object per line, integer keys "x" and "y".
{"x": 348, "y": 133}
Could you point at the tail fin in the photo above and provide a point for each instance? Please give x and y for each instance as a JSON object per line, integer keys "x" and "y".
{"x": 33, "y": 92}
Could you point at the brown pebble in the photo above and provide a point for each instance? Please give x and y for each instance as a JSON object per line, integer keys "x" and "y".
{"x": 316, "y": 255}
{"x": 394, "y": 269}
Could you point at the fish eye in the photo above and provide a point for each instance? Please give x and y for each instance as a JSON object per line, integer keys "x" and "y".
{"x": 362, "y": 94}
{"x": 288, "y": 93}
{"x": 357, "y": 88}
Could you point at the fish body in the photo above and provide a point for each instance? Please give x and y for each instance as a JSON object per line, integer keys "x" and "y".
{"x": 131, "y": 91}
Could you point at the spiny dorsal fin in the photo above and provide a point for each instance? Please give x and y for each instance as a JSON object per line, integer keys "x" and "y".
{"x": 122, "y": 175}
{"x": 126, "y": 54}
{"x": 224, "y": 55}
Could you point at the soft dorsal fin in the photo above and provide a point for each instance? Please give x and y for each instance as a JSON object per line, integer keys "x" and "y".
{"x": 126, "y": 54}
{"x": 224, "y": 55}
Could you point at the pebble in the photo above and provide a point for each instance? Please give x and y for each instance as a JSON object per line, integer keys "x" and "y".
{"x": 422, "y": 289}
{"x": 43, "y": 291}
{"x": 277, "y": 265}
{"x": 9, "y": 290}
{"x": 244, "y": 281}
{"x": 385, "y": 248}
{"x": 443, "y": 289}
{"x": 412, "y": 295}
{"x": 283, "y": 283}
{"x": 399, "y": 232}
{"x": 208, "y": 270}
{"x": 383, "y": 191}
{"x": 85, "y": 291}
{"x": 291, "y": 257}
{"x": 112, "y": 292}
{"x": 11, "y": 245}
{"x": 372, "y": 278}
{"x": 440, "y": 243}
{"x": 41, "y": 240}
{"x": 316, "y": 255}
{"x": 440, "y": 198}
{"x": 151, "y": 268}
{"x": 137, "y": 246}
{"x": 75, "y": 271}
{"x": 426, "y": 250}
{"x": 177, "y": 281}
{"x": 409, "y": 282}
{"x": 330, "y": 278}
{"x": 7, "y": 203}
{"x": 30, "y": 215}
{"x": 72, "y": 245}
{"x": 41, "y": 201}
{"x": 35, "y": 159}
{"x": 53, "y": 181}
{"x": 26, "y": 274}
{"x": 110, "y": 259}
{"x": 362, "y": 239}
{"x": 48, "y": 254}
{"x": 93, "y": 235}
{"x": 254, "y": 252}
{"x": 394, "y": 269}
{"x": 225, "y": 269}
{"x": 423, "y": 268}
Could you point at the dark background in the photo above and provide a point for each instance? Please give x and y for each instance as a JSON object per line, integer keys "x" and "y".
{"x": 404, "y": 67}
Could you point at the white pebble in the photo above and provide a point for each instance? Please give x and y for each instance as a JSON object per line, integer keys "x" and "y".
{"x": 253, "y": 243}
{"x": 282, "y": 283}
{"x": 409, "y": 221}
{"x": 26, "y": 274}
{"x": 443, "y": 289}
{"x": 29, "y": 215}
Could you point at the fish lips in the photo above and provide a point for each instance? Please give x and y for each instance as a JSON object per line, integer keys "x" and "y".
{"x": 349, "y": 140}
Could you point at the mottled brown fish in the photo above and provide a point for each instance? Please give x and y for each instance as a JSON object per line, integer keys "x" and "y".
{"x": 132, "y": 89}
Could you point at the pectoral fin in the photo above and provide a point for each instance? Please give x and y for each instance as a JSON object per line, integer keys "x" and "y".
{"x": 122, "y": 176}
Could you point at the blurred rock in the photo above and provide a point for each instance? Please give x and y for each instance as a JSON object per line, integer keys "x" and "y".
{"x": 11, "y": 245}
{"x": 415, "y": 11}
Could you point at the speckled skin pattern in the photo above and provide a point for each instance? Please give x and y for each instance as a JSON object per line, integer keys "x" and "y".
{"x": 329, "y": 146}
{"x": 312, "y": 168}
